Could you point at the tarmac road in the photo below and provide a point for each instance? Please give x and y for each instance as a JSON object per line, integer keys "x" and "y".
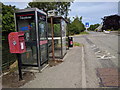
{"x": 101, "y": 51}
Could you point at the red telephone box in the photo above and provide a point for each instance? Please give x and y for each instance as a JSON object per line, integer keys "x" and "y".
{"x": 17, "y": 42}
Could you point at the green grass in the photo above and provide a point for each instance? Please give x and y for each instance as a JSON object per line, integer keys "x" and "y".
{"x": 77, "y": 44}
{"x": 84, "y": 33}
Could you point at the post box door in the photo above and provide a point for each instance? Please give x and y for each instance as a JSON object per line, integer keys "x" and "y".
{"x": 16, "y": 42}
{"x": 13, "y": 42}
{"x": 22, "y": 42}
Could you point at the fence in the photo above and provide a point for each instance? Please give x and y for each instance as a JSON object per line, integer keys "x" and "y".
{"x": 7, "y": 57}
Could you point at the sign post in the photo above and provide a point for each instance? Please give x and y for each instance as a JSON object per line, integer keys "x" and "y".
{"x": 19, "y": 66}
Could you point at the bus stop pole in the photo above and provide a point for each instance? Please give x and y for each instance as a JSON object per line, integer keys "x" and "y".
{"x": 19, "y": 66}
{"x": 52, "y": 29}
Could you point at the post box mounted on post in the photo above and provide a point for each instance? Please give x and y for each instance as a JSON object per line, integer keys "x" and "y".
{"x": 17, "y": 45}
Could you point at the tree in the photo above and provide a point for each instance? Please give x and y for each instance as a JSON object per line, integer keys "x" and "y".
{"x": 82, "y": 27}
{"x": 61, "y": 7}
{"x": 57, "y": 30}
{"x": 76, "y": 26}
{"x": 111, "y": 22}
{"x": 8, "y": 24}
{"x": 0, "y": 21}
{"x": 93, "y": 27}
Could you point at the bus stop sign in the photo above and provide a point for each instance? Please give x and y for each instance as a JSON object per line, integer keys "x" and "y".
{"x": 87, "y": 24}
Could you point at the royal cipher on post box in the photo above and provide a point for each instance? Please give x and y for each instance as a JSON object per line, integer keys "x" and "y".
{"x": 16, "y": 42}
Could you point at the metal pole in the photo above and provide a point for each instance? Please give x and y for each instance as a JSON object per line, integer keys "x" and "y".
{"x": 47, "y": 39}
{"x": 61, "y": 38}
{"x": 38, "y": 45}
{"x": 52, "y": 29}
{"x": 19, "y": 66}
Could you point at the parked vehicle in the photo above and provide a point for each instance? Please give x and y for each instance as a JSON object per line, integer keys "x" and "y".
{"x": 106, "y": 32}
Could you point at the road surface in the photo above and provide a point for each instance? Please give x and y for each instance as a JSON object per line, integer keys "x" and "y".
{"x": 101, "y": 51}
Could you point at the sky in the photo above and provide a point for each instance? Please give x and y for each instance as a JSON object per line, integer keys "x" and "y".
{"x": 91, "y": 12}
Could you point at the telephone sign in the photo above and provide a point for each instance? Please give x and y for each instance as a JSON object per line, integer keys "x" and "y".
{"x": 25, "y": 16}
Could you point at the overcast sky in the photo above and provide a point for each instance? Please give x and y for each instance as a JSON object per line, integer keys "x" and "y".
{"x": 91, "y": 12}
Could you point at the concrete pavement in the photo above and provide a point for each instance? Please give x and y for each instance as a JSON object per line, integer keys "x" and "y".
{"x": 68, "y": 74}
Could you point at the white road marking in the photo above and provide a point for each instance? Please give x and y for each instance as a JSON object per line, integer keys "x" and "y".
{"x": 94, "y": 48}
{"x": 93, "y": 45}
{"x": 83, "y": 70}
{"x": 113, "y": 57}
{"x": 97, "y": 52}
{"x": 103, "y": 56}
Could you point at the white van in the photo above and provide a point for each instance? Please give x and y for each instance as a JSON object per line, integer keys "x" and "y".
{"x": 106, "y": 31}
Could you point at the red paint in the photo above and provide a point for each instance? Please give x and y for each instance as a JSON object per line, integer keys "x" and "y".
{"x": 42, "y": 16}
{"x": 25, "y": 15}
{"x": 43, "y": 42}
{"x": 71, "y": 42}
{"x": 16, "y": 42}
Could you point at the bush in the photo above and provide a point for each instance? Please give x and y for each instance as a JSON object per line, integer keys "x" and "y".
{"x": 77, "y": 44}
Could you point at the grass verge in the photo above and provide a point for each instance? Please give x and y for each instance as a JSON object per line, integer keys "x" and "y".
{"x": 84, "y": 33}
{"x": 77, "y": 44}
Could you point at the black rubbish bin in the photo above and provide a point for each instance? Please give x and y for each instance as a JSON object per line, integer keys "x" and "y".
{"x": 70, "y": 41}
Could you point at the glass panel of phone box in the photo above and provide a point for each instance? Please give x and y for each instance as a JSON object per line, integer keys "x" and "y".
{"x": 26, "y": 22}
{"x": 43, "y": 37}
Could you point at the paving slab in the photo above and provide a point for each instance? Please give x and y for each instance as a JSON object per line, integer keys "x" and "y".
{"x": 64, "y": 75}
{"x": 107, "y": 71}
{"x": 109, "y": 77}
{"x": 110, "y": 81}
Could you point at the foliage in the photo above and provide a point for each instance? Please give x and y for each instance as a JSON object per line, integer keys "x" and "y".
{"x": 8, "y": 24}
{"x": 77, "y": 44}
{"x": 111, "y": 22}
{"x": 56, "y": 29}
{"x": 84, "y": 32}
{"x": 7, "y": 57}
{"x": 61, "y": 7}
{"x": 0, "y": 15}
{"x": 76, "y": 26}
{"x": 93, "y": 27}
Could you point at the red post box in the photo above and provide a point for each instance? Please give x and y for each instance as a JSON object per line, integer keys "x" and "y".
{"x": 16, "y": 42}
